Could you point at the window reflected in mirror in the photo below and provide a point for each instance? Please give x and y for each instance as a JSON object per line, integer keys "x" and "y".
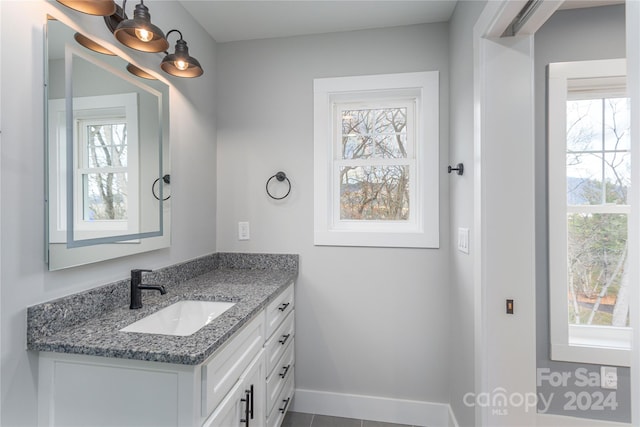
{"x": 104, "y": 157}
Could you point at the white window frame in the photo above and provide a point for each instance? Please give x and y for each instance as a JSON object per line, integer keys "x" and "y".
{"x": 607, "y": 345}
{"x": 419, "y": 91}
{"x": 86, "y": 108}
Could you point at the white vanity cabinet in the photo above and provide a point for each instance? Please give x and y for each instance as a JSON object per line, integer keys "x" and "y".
{"x": 248, "y": 382}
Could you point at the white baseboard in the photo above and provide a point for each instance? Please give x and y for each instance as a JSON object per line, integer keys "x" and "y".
{"x": 387, "y": 410}
{"x": 550, "y": 420}
{"x": 453, "y": 421}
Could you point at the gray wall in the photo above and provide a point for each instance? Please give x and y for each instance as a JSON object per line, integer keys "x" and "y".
{"x": 24, "y": 277}
{"x": 571, "y": 35}
{"x": 370, "y": 321}
{"x": 461, "y": 316}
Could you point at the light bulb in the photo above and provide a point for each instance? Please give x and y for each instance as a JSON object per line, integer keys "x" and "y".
{"x": 144, "y": 35}
{"x": 181, "y": 64}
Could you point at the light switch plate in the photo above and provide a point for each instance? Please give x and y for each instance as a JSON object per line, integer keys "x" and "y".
{"x": 609, "y": 377}
{"x": 243, "y": 230}
{"x": 463, "y": 240}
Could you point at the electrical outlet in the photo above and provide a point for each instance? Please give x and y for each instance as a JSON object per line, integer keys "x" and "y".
{"x": 609, "y": 377}
{"x": 243, "y": 230}
{"x": 463, "y": 240}
{"x": 509, "y": 306}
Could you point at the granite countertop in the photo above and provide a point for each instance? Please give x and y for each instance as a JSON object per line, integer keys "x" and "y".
{"x": 61, "y": 326}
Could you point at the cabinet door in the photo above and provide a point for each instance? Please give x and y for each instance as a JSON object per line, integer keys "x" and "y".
{"x": 244, "y": 405}
{"x": 254, "y": 386}
{"x": 227, "y": 414}
{"x": 227, "y": 365}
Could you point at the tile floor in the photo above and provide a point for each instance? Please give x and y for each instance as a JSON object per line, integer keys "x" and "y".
{"x": 299, "y": 419}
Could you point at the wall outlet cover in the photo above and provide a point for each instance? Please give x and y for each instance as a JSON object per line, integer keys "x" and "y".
{"x": 609, "y": 377}
{"x": 243, "y": 230}
{"x": 463, "y": 240}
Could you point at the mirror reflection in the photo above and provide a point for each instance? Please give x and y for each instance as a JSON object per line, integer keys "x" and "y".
{"x": 106, "y": 198}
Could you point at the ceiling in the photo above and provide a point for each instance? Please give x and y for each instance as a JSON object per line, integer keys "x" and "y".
{"x": 234, "y": 20}
{"x": 579, "y": 4}
{"x": 237, "y": 20}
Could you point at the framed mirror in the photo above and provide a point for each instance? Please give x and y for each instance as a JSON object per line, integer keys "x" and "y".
{"x": 107, "y": 133}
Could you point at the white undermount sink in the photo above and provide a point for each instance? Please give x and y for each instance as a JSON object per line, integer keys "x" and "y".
{"x": 182, "y": 318}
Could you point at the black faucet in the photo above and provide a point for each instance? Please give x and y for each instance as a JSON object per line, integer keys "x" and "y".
{"x": 137, "y": 287}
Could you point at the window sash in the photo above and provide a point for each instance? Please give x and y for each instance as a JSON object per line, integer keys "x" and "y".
{"x": 83, "y": 149}
{"x": 409, "y": 104}
{"x": 609, "y": 208}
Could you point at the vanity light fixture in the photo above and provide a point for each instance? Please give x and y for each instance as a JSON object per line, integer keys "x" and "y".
{"x": 136, "y": 71}
{"x": 91, "y": 7}
{"x": 91, "y": 45}
{"x": 179, "y": 63}
{"x": 139, "y": 33}
{"x": 112, "y": 21}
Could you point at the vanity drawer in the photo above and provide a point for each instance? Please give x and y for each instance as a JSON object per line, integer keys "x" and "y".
{"x": 280, "y": 375}
{"x": 226, "y": 365}
{"x": 277, "y": 344}
{"x": 281, "y": 404}
{"x": 278, "y": 309}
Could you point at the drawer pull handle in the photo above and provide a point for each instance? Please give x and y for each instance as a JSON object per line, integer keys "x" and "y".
{"x": 246, "y": 401}
{"x": 284, "y": 306}
{"x": 284, "y": 339}
{"x": 251, "y": 393}
{"x": 286, "y": 403}
{"x": 285, "y": 369}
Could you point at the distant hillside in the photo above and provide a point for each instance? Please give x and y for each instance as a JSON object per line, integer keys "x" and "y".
{"x": 582, "y": 191}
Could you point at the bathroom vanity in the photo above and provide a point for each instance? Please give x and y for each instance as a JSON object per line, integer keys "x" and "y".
{"x": 236, "y": 371}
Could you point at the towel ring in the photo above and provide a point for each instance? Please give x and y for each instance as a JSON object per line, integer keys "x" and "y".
{"x": 280, "y": 176}
{"x": 167, "y": 180}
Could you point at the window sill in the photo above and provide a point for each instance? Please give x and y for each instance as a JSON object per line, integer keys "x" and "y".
{"x": 374, "y": 239}
{"x": 590, "y": 354}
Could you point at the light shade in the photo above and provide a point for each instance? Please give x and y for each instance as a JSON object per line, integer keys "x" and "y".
{"x": 91, "y": 7}
{"x": 136, "y": 71}
{"x": 91, "y": 45}
{"x": 179, "y": 63}
{"x": 140, "y": 34}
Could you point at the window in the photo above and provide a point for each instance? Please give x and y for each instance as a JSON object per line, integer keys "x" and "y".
{"x": 589, "y": 179}
{"x": 105, "y": 169}
{"x": 102, "y": 173}
{"x": 376, "y": 160}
